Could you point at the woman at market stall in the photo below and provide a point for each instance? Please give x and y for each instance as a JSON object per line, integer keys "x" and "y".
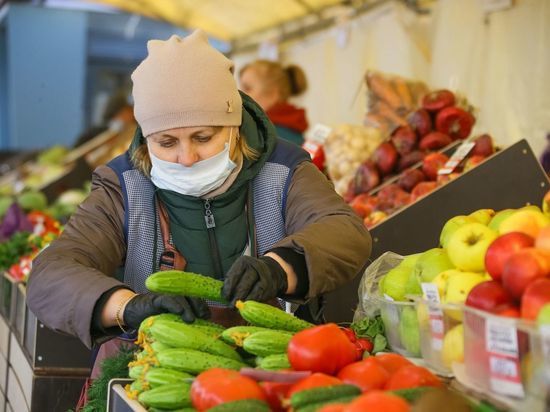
{"x": 205, "y": 186}
{"x": 271, "y": 85}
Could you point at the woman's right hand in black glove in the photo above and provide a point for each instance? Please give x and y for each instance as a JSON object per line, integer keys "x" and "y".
{"x": 142, "y": 306}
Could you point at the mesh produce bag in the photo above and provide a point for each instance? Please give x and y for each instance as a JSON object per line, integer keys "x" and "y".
{"x": 368, "y": 288}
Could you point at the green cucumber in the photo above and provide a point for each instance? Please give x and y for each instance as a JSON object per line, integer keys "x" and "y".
{"x": 265, "y": 343}
{"x": 162, "y": 376}
{"x": 237, "y": 334}
{"x": 194, "y": 362}
{"x": 274, "y": 362}
{"x": 314, "y": 407}
{"x": 176, "y": 282}
{"x": 322, "y": 394}
{"x": 411, "y": 394}
{"x": 267, "y": 316}
{"x": 181, "y": 335}
{"x": 242, "y": 405}
{"x": 171, "y": 396}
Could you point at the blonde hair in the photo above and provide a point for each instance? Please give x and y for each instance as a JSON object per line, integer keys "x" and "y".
{"x": 142, "y": 162}
{"x": 290, "y": 80}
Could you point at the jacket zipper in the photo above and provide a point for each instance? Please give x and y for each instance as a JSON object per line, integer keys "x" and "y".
{"x": 214, "y": 250}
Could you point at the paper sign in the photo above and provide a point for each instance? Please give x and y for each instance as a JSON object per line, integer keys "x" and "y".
{"x": 501, "y": 341}
{"x": 437, "y": 326}
{"x": 460, "y": 153}
{"x": 319, "y": 133}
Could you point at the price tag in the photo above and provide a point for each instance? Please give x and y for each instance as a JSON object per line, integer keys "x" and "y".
{"x": 437, "y": 326}
{"x": 501, "y": 341}
{"x": 460, "y": 153}
{"x": 545, "y": 336}
{"x": 319, "y": 133}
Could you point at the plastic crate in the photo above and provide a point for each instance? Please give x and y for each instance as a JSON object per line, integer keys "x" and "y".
{"x": 440, "y": 335}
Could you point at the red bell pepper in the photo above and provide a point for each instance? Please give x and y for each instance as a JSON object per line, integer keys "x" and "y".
{"x": 217, "y": 385}
{"x": 323, "y": 348}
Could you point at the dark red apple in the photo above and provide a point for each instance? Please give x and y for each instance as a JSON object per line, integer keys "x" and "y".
{"x": 385, "y": 157}
{"x": 536, "y": 295}
{"x": 502, "y": 248}
{"x": 438, "y": 100}
{"x": 455, "y": 122}
{"x": 366, "y": 178}
{"x": 434, "y": 141}
{"x": 420, "y": 121}
{"x": 523, "y": 267}
{"x": 389, "y": 192}
{"x": 483, "y": 146}
{"x": 422, "y": 189}
{"x": 410, "y": 159}
{"x": 404, "y": 140}
{"x": 489, "y": 296}
{"x": 432, "y": 163}
{"x": 410, "y": 178}
{"x": 360, "y": 204}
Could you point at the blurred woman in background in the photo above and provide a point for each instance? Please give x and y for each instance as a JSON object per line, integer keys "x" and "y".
{"x": 271, "y": 85}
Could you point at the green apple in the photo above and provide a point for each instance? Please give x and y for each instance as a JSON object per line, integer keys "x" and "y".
{"x": 413, "y": 285}
{"x": 410, "y": 260}
{"x": 467, "y": 246}
{"x": 395, "y": 283}
{"x": 409, "y": 331}
{"x": 450, "y": 226}
{"x": 459, "y": 286}
{"x": 543, "y": 318}
{"x": 431, "y": 263}
{"x": 482, "y": 216}
{"x": 528, "y": 221}
{"x": 499, "y": 217}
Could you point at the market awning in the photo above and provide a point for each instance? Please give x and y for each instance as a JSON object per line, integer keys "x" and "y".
{"x": 226, "y": 20}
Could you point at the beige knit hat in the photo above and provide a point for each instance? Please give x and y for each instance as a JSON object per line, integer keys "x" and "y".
{"x": 185, "y": 82}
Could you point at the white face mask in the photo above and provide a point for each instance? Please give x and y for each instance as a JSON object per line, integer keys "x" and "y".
{"x": 195, "y": 180}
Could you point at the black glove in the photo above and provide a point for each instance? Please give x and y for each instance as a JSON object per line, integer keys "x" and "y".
{"x": 250, "y": 278}
{"x": 143, "y": 306}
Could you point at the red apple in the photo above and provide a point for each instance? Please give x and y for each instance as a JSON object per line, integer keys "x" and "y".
{"x": 483, "y": 146}
{"x": 410, "y": 178}
{"x": 389, "y": 192}
{"x": 536, "y": 295}
{"x": 360, "y": 204}
{"x": 432, "y": 163}
{"x": 473, "y": 161}
{"x": 366, "y": 178}
{"x": 438, "y": 100}
{"x": 404, "y": 140}
{"x": 374, "y": 218}
{"x": 489, "y": 296}
{"x": 502, "y": 248}
{"x": 434, "y": 141}
{"x": 442, "y": 179}
{"x": 420, "y": 121}
{"x": 422, "y": 189}
{"x": 523, "y": 267}
{"x": 410, "y": 159}
{"x": 543, "y": 239}
{"x": 455, "y": 122}
{"x": 385, "y": 156}
{"x": 509, "y": 312}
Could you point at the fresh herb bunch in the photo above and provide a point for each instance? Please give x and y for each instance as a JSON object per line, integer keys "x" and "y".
{"x": 12, "y": 250}
{"x": 372, "y": 328}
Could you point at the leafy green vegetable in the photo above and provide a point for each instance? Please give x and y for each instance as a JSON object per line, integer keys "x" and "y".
{"x": 372, "y": 328}
{"x": 12, "y": 250}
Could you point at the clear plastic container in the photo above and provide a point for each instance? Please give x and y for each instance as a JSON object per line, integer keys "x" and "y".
{"x": 499, "y": 353}
{"x": 401, "y": 326}
{"x": 441, "y": 335}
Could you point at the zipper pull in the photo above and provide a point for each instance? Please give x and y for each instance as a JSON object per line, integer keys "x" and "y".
{"x": 208, "y": 216}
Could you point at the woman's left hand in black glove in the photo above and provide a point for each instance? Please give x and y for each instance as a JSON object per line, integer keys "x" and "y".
{"x": 249, "y": 278}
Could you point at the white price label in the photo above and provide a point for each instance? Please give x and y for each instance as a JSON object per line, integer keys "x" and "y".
{"x": 319, "y": 133}
{"x": 431, "y": 293}
{"x": 457, "y": 157}
{"x": 501, "y": 338}
{"x": 545, "y": 335}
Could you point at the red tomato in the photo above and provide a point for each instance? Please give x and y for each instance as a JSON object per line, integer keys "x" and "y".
{"x": 276, "y": 392}
{"x": 313, "y": 381}
{"x": 412, "y": 377}
{"x": 392, "y": 362}
{"x": 378, "y": 401}
{"x": 218, "y": 385}
{"x": 368, "y": 374}
{"x": 323, "y": 348}
{"x": 334, "y": 407}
